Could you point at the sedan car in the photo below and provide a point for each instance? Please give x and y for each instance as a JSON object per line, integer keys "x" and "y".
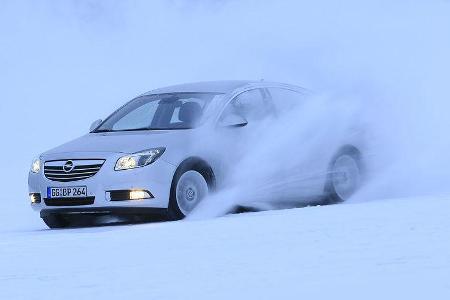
{"x": 166, "y": 150}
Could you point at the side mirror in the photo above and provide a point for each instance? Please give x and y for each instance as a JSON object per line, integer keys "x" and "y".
{"x": 233, "y": 120}
{"x": 95, "y": 124}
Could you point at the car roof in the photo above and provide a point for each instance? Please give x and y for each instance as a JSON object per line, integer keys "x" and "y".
{"x": 224, "y": 86}
{"x": 221, "y": 87}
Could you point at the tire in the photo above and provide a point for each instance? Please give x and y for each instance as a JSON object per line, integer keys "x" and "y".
{"x": 345, "y": 175}
{"x": 55, "y": 221}
{"x": 188, "y": 189}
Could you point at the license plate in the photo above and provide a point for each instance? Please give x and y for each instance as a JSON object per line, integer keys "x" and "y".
{"x": 67, "y": 192}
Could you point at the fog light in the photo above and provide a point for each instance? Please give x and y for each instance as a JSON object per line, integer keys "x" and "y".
{"x": 136, "y": 195}
{"x": 35, "y": 198}
{"x": 124, "y": 195}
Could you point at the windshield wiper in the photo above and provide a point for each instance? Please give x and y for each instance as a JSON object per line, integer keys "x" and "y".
{"x": 155, "y": 128}
{"x": 133, "y": 129}
{"x": 170, "y": 128}
{"x": 142, "y": 129}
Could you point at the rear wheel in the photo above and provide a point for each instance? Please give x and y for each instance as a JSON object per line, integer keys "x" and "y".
{"x": 187, "y": 191}
{"x": 345, "y": 175}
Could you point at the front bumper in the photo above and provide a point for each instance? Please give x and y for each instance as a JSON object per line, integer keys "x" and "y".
{"x": 106, "y": 210}
{"x": 155, "y": 178}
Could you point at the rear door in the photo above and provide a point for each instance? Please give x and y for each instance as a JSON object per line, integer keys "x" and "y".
{"x": 302, "y": 170}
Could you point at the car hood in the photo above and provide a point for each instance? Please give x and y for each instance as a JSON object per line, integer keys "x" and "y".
{"x": 122, "y": 142}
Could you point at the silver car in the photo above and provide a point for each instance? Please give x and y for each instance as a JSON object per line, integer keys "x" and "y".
{"x": 163, "y": 152}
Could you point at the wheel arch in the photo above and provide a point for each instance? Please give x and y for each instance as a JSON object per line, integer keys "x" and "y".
{"x": 348, "y": 149}
{"x": 197, "y": 164}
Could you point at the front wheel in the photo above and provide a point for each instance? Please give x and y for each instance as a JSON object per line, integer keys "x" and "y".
{"x": 187, "y": 191}
{"x": 345, "y": 176}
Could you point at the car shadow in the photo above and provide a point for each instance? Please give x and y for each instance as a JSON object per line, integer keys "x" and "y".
{"x": 88, "y": 221}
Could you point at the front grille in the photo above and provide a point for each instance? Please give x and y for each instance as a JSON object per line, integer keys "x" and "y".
{"x": 69, "y": 201}
{"x": 72, "y": 170}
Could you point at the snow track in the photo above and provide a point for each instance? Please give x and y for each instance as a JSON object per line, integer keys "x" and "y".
{"x": 375, "y": 250}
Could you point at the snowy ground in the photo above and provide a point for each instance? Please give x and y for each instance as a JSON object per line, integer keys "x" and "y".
{"x": 391, "y": 249}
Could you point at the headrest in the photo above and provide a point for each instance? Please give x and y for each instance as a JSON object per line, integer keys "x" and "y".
{"x": 190, "y": 112}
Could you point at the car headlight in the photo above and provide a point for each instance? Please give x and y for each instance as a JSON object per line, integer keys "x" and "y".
{"x": 139, "y": 159}
{"x": 36, "y": 165}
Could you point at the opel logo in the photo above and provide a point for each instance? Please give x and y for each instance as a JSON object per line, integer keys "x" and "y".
{"x": 68, "y": 166}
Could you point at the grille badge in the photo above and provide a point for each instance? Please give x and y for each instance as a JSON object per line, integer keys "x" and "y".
{"x": 68, "y": 166}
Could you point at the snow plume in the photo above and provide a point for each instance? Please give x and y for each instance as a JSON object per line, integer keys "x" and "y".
{"x": 393, "y": 61}
{"x": 282, "y": 160}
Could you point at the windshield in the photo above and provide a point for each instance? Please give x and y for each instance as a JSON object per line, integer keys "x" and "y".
{"x": 159, "y": 112}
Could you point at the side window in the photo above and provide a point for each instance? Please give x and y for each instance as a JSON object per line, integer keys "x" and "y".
{"x": 252, "y": 105}
{"x": 285, "y": 100}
